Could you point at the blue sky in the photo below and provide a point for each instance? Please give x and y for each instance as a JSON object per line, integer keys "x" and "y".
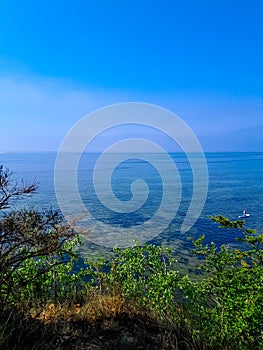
{"x": 60, "y": 60}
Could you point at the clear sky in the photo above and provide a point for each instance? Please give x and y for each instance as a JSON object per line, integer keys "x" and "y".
{"x": 60, "y": 60}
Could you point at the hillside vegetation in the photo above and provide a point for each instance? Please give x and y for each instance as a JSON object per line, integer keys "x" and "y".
{"x": 139, "y": 299}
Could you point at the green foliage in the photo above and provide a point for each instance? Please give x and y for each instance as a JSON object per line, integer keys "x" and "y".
{"x": 227, "y": 303}
{"x": 147, "y": 275}
{"x": 144, "y": 274}
{"x": 48, "y": 278}
{"x": 36, "y": 251}
{"x": 36, "y": 257}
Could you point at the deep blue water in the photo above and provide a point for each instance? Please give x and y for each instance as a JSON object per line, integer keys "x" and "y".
{"x": 235, "y": 183}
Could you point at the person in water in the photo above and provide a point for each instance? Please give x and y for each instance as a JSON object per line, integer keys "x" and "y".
{"x": 245, "y": 212}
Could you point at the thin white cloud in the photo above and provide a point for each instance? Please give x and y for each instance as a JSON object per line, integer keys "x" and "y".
{"x": 37, "y": 112}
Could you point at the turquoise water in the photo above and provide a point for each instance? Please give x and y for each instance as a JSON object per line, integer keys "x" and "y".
{"x": 235, "y": 183}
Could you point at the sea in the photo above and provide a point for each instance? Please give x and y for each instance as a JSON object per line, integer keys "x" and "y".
{"x": 120, "y": 200}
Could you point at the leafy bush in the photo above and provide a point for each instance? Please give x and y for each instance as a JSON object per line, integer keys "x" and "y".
{"x": 145, "y": 274}
{"x": 36, "y": 250}
{"x": 227, "y": 303}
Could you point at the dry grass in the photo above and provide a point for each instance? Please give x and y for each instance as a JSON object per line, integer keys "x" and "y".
{"x": 95, "y": 307}
{"x": 102, "y": 322}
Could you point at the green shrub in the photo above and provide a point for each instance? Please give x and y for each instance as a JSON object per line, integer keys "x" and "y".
{"x": 226, "y": 305}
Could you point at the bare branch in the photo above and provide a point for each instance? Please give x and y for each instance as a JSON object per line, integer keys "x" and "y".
{"x": 9, "y": 188}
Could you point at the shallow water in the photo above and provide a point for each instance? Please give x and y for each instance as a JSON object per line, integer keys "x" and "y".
{"x": 235, "y": 183}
